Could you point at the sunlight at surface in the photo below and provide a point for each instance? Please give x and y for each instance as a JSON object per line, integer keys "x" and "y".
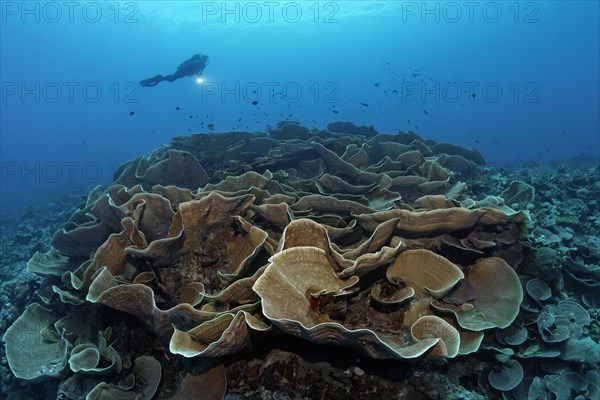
{"x": 198, "y": 15}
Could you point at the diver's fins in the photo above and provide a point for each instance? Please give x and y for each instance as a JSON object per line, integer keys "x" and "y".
{"x": 155, "y": 80}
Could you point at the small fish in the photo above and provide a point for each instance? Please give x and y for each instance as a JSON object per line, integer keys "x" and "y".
{"x": 376, "y": 84}
{"x": 335, "y": 111}
{"x": 210, "y": 126}
{"x": 254, "y": 102}
{"x": 131, "y": 113}
{"x": 364, "y": 104}
{"x": 425, "y": 111}
{"x": 177, "y": 108}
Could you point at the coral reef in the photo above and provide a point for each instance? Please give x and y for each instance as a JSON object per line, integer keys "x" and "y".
{"x": 302, "y": 263}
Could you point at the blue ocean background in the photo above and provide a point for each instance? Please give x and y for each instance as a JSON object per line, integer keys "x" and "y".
{"x": 527, "y": 75}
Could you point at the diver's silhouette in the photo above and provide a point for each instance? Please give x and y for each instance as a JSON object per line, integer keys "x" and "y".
{"x": 193, "y": 66}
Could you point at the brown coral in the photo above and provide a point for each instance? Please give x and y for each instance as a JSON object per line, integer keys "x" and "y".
{"x": 328, "y": 237}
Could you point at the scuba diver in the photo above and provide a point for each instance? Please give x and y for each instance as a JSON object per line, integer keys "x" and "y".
{"x": 193, "y": 66}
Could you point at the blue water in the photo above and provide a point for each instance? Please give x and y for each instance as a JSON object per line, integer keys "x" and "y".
{"x": 518, "y": 81}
